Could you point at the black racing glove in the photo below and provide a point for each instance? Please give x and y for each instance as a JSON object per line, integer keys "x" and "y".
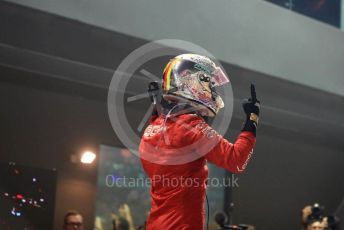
{"x": 251, "y": 109}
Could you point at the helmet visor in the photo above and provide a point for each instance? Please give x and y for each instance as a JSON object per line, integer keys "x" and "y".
{"x": 218, "y": 76}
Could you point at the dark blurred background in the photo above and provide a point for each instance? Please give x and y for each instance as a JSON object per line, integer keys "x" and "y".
{"x": 57, "y": 60}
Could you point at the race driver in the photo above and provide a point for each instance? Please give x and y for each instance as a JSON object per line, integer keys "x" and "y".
{"x": 178, "y": 142}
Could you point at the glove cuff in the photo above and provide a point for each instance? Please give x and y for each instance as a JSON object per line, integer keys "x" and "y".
{"x": 251, "y": 123}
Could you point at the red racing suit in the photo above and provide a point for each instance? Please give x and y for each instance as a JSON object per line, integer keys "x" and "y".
{"x": 178, "y": 190}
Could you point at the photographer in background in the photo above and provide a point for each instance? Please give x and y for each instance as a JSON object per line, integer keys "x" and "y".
{"x": 73, "y": 221}
{"x": 331, "y": 223}
{"x": 314, "y": 218}
{"x": 315, "y": 224}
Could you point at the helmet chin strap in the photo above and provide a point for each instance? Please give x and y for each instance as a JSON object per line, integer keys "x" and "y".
{"x": 172, "y": 106}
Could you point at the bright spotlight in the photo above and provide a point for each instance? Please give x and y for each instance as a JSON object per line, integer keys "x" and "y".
{"x": 88, "y": 157}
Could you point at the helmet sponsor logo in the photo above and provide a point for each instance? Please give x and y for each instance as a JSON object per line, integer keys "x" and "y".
{"x": 202, "y": 68}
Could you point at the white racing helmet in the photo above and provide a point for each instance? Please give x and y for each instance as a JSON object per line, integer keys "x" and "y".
{"x": 192, "y": 78}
